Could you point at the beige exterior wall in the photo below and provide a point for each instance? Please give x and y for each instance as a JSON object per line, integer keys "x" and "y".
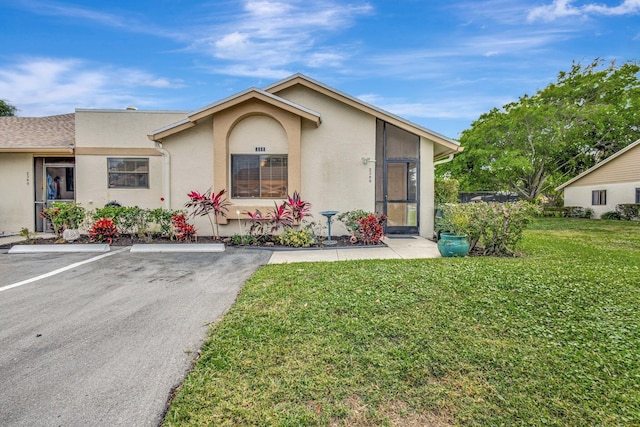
{"x": 333, "y": 176}
{"x": 92, "y": 189}
{"x": 233, "y": 127}
{"x": 324, "y": 161}
{"x": 191, "y": 165}
{"x": 617, "y": 193}
{"x": 101, "y": 134}
{"x": 120, "y": 128}
{"x": 17, "y": 209}
{"x": 427, "y": 192}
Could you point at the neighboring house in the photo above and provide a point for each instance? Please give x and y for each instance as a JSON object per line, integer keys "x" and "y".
{"x": 298, "y": 134}
{"x": 613, "y": 181}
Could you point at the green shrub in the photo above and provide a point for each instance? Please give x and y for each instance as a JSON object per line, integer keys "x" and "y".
{"x": 128, "y": 219}
{"x": 446, "y": 191}
{"x": 302, "y": 238}
{"x": 162, "y": 220}
{"x": 552, "y": 211}
{"x": 64, "y": 216}
{"x": 111, "y": 211}
{"x": 495, "y": 228}
{"x": 350, "y": 220}
{"x": 611, "y": 215}
{"x": 577, "y": 212}
{"x": 244, "y": 240}
{"x": 629, "y": 211}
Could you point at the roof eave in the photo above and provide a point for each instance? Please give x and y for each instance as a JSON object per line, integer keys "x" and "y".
{"x": 298, "y": 78}
{"x": 64, "y": 150}
{"x": 261, "y": 95}
{"x": 173, "y": 128}
{"x": 232, "y": 101}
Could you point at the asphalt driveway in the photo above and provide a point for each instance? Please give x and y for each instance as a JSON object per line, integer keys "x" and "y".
{"x": 105, "y": 341}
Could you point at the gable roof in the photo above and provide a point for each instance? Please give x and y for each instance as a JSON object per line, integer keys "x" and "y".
{"x": 446, "y": 145}
{"x": 38, "y": 134}
{"x": 597, "y": 166}
{"x": 233, "y": 100}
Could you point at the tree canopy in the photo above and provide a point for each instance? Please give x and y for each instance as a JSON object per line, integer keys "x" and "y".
{"x": 7, "y": 109}
{"x": 532, "y": 145}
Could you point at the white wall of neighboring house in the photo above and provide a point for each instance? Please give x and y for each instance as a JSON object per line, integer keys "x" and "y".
{"x": 618, "y": 175}
{"x": 17, "y": 209}
{"x": 617, "y": 193}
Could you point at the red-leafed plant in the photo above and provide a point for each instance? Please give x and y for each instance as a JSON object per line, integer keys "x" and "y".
{"x": 372, "y": 228}
{"x": 257, "y": 223}
{"x": 298, "y": 207}
{"x": 184, "y": 230}
{"x": 103, "y": 230}
{"x": 280, "y": 217}
{"x": 207, "y": 203}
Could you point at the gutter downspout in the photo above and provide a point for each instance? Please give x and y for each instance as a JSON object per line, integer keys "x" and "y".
{"x": 447, "y": 160}
{"x": 166, "y": 175}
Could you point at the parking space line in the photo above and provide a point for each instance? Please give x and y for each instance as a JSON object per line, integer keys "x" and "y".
{"x": 61, "y": 270}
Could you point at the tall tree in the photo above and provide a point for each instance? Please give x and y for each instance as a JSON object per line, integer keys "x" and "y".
{"x": 532, "y": 145}
{"x": 7, "y": 109}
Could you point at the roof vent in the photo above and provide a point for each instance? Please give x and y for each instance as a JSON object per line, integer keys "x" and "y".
{"x": 132, "y": 108}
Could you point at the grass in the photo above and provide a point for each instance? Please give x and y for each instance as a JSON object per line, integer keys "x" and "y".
{"x": 551, "y": 338}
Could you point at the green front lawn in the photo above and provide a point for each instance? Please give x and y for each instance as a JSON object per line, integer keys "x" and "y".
{"x": 552, "y": 338}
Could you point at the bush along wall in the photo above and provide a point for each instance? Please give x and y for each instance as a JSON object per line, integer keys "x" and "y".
{"x": 493, "y": 228}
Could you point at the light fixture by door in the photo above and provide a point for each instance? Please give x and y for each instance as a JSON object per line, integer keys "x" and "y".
{"x": 366, "y": 160}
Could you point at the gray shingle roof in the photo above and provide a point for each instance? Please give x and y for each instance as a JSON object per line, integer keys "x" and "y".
{"x": 37, "y": 132}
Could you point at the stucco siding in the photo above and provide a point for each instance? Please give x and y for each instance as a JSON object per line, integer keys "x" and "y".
{"x": 333, "y": 176}
{"x": 617, "y": 193}
{"x": 427, "y": 192}
{"x": 92, "y": 189}
{"x": 120, "y": 129}
{"x": 191, "y": 167}
{"x": 258, "y": 131}
{"x": 17, "y": 209}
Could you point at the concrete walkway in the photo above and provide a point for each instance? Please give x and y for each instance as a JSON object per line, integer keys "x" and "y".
{"x": 397, "y": 248}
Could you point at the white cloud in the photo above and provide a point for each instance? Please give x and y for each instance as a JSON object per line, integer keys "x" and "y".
{"x": 325, "y": 59}
{"x": 248, "y": 35}
{"x": 82, "y": 15}
{"x": 270, "y": 35}
{"x": 241, "y": 70}
{"x": 565, "y": 8}
{"x": 44, "y": 86}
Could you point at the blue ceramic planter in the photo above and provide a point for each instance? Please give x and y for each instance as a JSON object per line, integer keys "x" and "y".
{"x": 453, "y": 245}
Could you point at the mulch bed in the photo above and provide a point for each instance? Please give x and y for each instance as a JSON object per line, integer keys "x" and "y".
{"x": 127, "y": 240}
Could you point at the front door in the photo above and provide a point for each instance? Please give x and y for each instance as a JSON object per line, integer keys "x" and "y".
{"x": 57, "y": 184}
{"x": 401, "y": 200}
{"x": 398, "y": 178}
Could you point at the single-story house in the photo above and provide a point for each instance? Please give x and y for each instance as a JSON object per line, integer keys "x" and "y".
{"x": 613, "y": 181}
{"x": 259, "y": 145}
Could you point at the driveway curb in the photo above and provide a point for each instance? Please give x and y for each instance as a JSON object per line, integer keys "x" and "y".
{"x": 166, "y": 248}
{"x": 38, "y": 249}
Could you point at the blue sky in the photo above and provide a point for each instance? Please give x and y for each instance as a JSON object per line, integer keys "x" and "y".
{"x": 438, "y": 63}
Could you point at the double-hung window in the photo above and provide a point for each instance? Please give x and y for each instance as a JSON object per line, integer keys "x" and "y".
{"x": 637, "y": 195}
{"x": 599, "y": 197}
{"x": 259, "y": 176}
{"x": 128, "y": 172}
